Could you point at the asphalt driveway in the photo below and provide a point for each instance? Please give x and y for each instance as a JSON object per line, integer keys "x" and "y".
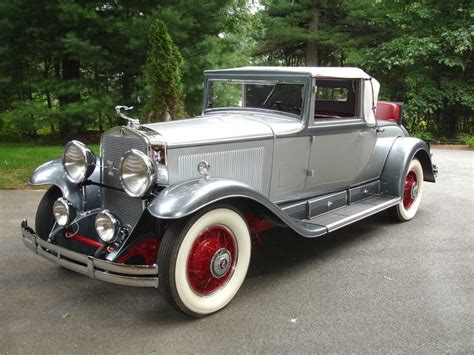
{"x": 371, "y": 287}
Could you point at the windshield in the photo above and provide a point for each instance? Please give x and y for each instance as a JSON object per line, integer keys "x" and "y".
{"x": 280, "y": 96}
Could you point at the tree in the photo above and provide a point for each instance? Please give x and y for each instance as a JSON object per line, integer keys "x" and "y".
{"x": 163, "y": 74}
{"x": 214, "y": 34}
{"x": 422, "y": 53}
{"x": 65, "y": 64}
{"x": 57, "y": 68}
{"x": 304, "y": 32}
{"x": 420, "y": 50}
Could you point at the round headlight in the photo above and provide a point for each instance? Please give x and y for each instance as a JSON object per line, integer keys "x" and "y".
{"x": 63, "y": 211}
{"x": 107, "y": 226}
{"x": 78, "y": 161}
{"x": 137, "y": 172}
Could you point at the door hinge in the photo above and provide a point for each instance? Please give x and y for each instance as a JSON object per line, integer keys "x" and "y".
{"x": 309, "y": 172}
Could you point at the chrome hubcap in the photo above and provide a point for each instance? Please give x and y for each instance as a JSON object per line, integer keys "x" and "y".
{"x": 414, "y": 191}
{"x": 220, "y": 263}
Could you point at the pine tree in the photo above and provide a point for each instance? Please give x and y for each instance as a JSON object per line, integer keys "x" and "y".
{"x": 304, "y": 32}
{"x": 163, "y": 74}
{"x": 210, "y": 34}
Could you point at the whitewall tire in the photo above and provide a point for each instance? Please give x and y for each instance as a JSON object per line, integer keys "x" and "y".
{"x": 411, "y": 194}
{"x": 44, "y": 220}
{"x": 203, "y": 261}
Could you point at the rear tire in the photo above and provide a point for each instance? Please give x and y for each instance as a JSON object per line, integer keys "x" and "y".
{"x": 44, "y": 220}
{"x": 203, "y": 260}
{"x": 412, "y": 193}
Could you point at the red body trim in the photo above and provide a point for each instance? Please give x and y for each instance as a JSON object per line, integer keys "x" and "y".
{"x": 85, "y": 240}
{"x": 147, "y": 248}
{"x": 258, "y": 224}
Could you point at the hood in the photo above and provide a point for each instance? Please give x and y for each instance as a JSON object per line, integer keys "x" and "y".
{"x": 222, "y": 127}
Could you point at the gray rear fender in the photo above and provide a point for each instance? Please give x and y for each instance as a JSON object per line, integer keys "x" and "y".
{"x": 188, "y": 197}
{"x": 52, "y": 173}
{"x": 403, "y": 150}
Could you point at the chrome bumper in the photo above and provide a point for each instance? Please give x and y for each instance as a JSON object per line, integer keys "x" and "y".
{"x": 121, "y": 274}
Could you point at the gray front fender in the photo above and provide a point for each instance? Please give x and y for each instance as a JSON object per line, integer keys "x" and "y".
{"x": 403, "y": 150}
{"x": 186, "y": 198}
{"x": 52, "y": 173}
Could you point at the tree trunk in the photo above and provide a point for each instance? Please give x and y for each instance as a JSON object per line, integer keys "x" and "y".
{"x": 312, "y": 55}
{"x": 127, "y": 89}
{"x": 70, "y": 71}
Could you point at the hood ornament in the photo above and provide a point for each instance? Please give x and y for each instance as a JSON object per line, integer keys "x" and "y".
{"x": 131, "y": 122}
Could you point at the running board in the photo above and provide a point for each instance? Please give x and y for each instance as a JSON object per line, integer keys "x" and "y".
{"x": 348, "y": 214}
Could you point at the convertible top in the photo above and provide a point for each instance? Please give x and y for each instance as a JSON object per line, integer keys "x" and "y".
{"x": 370, "y": 85}
{"x": 327, "y": 72}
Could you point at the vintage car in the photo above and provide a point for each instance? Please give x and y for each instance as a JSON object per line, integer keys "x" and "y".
{"x": 176, "y": 205}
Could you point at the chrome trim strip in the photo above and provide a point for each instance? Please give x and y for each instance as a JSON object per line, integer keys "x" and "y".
{"x": 339, "y": 218}
{"x": 120, "y": 274}
{"x": 363, "y": 214}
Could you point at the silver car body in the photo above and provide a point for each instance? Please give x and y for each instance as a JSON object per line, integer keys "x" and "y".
{"x": 313, "y": 176}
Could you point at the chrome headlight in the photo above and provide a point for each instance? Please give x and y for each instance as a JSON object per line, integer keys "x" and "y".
{"x": 78, "y": 161}
{"x": 203, "y": 168}
{"x": 63, "y": 211}
{"x": 107, "y": 226}
{"x": 137, "y": 172}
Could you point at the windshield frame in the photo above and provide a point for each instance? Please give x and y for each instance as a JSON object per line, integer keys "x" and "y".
{"x": 287, "y": 78}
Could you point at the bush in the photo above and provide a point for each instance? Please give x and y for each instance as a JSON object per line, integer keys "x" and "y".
{"x": 467, "y": 140}
{"x": 423, "y": 135}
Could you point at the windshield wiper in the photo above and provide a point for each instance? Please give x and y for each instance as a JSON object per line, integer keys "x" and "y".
{"x": 270, "y": 94}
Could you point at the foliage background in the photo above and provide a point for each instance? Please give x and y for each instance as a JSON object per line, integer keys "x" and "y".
{"x": 64, "y": 64}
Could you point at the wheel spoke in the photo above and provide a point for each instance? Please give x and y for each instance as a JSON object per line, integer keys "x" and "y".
{"x": 212, "y": 243}
{"x": 410, "y": 181}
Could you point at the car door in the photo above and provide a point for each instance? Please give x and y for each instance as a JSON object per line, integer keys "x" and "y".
{"x": 289, "y": 168}
{"x": 341, "y": 141}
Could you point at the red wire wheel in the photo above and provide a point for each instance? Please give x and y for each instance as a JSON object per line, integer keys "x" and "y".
{"x": 410, "y": 190}
{"x": 211, "y": 261}
{"x": 411, "y": 194}
{"x": 203, "y": 259}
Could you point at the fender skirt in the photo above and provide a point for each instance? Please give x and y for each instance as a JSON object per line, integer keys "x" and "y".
{"x": 184, "y": 199}
{"x": 403, "y": 150}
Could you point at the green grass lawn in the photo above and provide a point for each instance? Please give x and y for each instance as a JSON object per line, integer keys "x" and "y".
{"x": 18, "y": 160}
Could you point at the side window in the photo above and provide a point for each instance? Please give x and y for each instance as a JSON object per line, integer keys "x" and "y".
{"x": 336, "y": 99}
{"x": 326, "y": 93}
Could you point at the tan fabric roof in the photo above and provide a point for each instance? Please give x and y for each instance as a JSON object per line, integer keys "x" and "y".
{"x": 328, "y": 72}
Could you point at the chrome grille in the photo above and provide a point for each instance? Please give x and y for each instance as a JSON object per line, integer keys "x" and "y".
{"x": 128, "y": 209}
{"x": 114, "y": 143}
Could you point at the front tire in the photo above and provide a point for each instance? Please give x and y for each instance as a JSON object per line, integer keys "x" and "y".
{"x": 412, "y": 193}
{"x": 203, "y": 260}
{"x": 44, "y": 220}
